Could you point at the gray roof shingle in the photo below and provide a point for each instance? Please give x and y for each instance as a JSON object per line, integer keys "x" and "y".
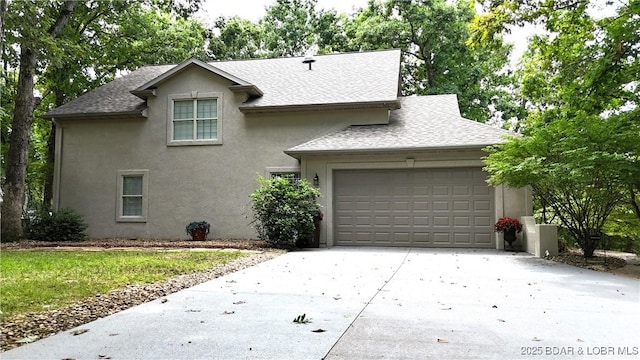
{"x": 112, "y": 98}
{"x": 421, "y": 123}
{"x": 337, "y": 79}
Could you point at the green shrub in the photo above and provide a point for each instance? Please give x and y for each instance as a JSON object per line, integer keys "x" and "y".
{"x": 283, "y": 211}
{"x": 62, "y": 225}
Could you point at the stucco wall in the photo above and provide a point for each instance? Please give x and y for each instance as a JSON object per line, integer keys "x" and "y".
{"x": 186, "y": 183}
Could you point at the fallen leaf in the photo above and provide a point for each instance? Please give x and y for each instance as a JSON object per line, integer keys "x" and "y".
{"x": 443, "y": 341}
{"x": 114, "y": 334}
{"x": 163, "y": 301}
{"x": 79, "y": 332}
{"x": 318, "y": 330}
{"x": 580, "y": 340}
{"x": 28, "y": 339}
{"x": 337, "y": 298}
{"x": 228, "y": 312}
{"x": 102, "y": 356}
{"x": 495, "y": 306}
{"x": 535, "y": 339}
{"x": 501, "y": 320}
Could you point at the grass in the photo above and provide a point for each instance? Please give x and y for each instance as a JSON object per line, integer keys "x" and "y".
{"x": 36, "y": 280}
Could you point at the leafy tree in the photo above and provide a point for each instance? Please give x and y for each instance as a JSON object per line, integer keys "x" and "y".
{"x": 284, "y": 210}
{"x": 579, "y": 150}
{"x": 436, "y": 58}
{"x": 238, "y": 39}
{"x": 40, "y": 27}
{"x": 290, "y": 28}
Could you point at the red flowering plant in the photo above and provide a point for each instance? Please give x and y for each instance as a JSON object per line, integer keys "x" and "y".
{"x": 506, "y": 223}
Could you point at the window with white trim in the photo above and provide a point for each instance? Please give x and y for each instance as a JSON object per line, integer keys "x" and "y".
{"x": 290, "y": 176}
{"x": 194, "y": 120}
{"x": 291, "y": 173}
{"x": 132, "y": 195}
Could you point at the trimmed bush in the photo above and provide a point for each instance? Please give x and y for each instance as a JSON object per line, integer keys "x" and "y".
{"x": 62, "y": 225}
{"x": 283, "y": 211}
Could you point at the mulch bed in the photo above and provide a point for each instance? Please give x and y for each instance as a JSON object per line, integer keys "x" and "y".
{"x": 242, "y": 244}
{"x": 598, "y": 263}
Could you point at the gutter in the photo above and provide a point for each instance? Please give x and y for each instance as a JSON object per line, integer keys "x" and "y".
{"x": 391, "y": 105}
{"x": 297, "y": 154}
{"x": 139, "y": 114}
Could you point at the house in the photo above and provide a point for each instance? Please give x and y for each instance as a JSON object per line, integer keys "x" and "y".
{"x": 149, "y": 152}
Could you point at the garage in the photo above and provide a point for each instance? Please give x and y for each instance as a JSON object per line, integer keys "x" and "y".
{"x": 430, "y": 207}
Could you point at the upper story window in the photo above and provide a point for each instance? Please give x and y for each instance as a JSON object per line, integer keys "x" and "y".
{"x": 194, "y": 120}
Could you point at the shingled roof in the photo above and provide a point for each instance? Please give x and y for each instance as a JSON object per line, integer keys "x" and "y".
{"x": 350, "y": 80}
{"x": 421, "y": 123}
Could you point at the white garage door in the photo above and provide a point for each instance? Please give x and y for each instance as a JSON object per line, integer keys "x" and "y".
{"x": 413, "y": 207}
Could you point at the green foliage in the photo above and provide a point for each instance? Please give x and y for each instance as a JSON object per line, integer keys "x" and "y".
{"x": 579, "y": 150}
{"x": 436, "y": 58}
{"x": 290, "y": 28}
{"x": 283, "y": 211}
{"x": 623, "y": 226}
{"x": 62, "y": 225}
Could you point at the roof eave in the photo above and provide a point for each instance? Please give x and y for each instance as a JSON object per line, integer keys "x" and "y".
{"x": 138, "y": 114}
{"x": 250, "y": 89}
{"x": 299, "y": 153}
{"x": 390, "y": 104}
{"x": 143, "y": 91}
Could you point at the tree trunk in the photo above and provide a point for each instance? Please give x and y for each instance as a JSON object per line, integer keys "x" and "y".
{"x": 19, "y": 148}
{"x": 17, "y": 157}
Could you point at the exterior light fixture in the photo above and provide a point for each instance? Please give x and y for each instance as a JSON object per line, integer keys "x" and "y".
{"x": 316, "y": 180}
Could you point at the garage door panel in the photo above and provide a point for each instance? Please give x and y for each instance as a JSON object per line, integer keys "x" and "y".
{"x": 461, "y": 205}
{"x": 440, "y": 238}
{"x": 440, "y": 205}
{"x": 482, "y": 205}
{"x": 462, "y": 239}
{"x": 441, "y": 190}
{"x": 421, "y": 221}
{"x": 461, "y": 221}
{"x": 413, "y": 207}
{"x": 479, "y": 221}
{"x": 441, "y": 221}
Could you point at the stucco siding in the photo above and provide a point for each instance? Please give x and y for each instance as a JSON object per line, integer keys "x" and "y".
{"x": 185, "y": 183}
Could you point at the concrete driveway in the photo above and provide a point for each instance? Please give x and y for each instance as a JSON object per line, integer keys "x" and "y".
{"x": 376, "y": 303}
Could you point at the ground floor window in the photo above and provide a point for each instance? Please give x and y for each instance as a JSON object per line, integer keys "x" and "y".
{"x": 132, "y": 195}
{"x": 292, "y": 173}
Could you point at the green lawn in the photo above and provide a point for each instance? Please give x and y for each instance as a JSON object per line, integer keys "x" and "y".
{"x": 43, "y": 279}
